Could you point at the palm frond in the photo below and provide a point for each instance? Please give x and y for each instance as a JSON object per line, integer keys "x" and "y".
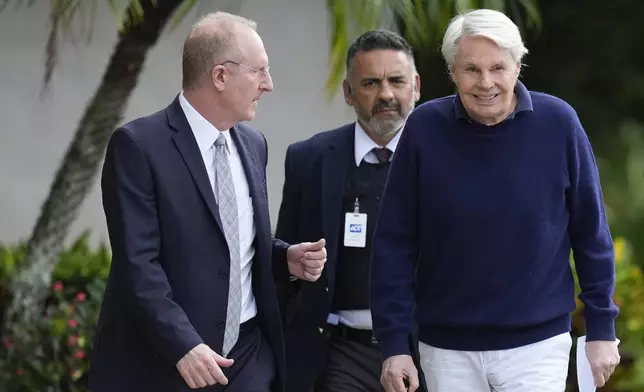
{"x": 348, "y": 19}
{"x": 17, "y": 3}
{"x": 66, "y": 15}
{"x": 533, "y": 16}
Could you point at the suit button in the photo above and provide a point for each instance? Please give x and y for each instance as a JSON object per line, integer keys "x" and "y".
{"x": 327, "y": 289}
{"x": 221, "y": 323}
{"x": 223, "y": 273}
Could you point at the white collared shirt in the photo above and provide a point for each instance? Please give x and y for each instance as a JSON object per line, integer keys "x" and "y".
{"x": 364, "y": 144}
{"x": 205, "y": 134}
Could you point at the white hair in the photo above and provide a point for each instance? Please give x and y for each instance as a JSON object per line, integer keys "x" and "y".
{"x": 491, "y": 24}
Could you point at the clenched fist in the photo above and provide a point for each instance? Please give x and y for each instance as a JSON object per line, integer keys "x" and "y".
{"x": 202, "y": 367}
{"x": 306, "y": 260}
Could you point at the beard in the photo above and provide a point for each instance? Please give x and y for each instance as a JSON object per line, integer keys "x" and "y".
{"x": 386, "y": 127}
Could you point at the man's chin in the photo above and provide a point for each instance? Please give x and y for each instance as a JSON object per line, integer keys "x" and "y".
{"x": 250, "y": 115}
{"x": 387, "y": 128}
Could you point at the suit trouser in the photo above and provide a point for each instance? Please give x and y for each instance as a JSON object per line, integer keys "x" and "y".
{"x": 537, "y": 367}
{"x": 351, "y": 367}
{"x": 254, "y": 367}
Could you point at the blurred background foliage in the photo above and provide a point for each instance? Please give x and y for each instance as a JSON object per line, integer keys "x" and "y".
{"x": 583, "y": 51}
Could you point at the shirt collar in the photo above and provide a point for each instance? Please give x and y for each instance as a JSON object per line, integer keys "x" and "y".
{"x": 524, "y": 103}
{"x": 364, "y": 144}
{"x": 205, "y": 133}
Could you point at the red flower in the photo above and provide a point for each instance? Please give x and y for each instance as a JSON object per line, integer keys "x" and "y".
{"x": 79, "y": 354}
{"x": 58, "y": 287}
{"x": 72, "y": 340}
{"x": 81, "y": 297}
{"x": 72, "y": 323}
{"x": 20, "y": 372}
{"x": 6, "y": 342}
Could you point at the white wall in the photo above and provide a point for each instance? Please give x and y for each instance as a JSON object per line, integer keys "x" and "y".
{"x": 35, "y": 132}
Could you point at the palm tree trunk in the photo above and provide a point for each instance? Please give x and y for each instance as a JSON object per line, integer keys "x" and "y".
{"x": 75, "y": 176}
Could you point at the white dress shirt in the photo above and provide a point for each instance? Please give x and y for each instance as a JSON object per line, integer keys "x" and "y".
{"x": 361, "y": 319}
{"x": 206, "y": 134}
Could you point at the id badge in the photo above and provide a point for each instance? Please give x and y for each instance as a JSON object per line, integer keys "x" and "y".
{"x": 355, "y": 230}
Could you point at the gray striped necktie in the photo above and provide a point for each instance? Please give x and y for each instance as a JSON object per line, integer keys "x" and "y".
{"x": 227, "y": 202}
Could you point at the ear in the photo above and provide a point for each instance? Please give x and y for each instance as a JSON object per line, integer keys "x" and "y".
{"x": 348, "y": 93}
{"x": 416, "y": 87}
{"x": 219, "y": 77}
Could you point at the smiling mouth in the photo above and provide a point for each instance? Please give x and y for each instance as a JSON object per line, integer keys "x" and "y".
{"x": 486, "y": 98}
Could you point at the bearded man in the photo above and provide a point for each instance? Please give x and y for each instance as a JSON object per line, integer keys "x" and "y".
{"x": 333, "y": 186}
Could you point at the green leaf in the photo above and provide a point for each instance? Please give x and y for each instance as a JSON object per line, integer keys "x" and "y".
{"x": 58, "y": 327}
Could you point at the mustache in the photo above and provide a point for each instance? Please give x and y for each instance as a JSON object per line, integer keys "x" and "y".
{"x": 382, "y": 105}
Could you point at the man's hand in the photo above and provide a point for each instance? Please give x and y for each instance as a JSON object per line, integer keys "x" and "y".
{"x": 202, "y": 367}
{"x": 306, "y": 260}
{"x": 603, "y": 357}
{"x": 397, "y": 369}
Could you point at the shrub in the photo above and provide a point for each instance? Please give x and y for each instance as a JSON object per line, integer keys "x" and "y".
{"x": 53, "y": 353}
{"x": 629, "y": 296}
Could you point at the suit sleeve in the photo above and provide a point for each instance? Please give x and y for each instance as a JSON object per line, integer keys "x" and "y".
{"x": 287, "y": 219}
{"x": 591, "y": 240}
{"x": 129, "y": 202}
{"x": 394, "y": 251}
{"x": 280, "y": 267}
{"x": 288, "y": 216}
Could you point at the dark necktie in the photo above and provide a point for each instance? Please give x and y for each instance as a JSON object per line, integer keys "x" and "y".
{"x": 382, "y": 153}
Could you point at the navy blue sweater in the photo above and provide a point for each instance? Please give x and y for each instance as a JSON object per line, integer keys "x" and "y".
{"x": 476, "y": 228}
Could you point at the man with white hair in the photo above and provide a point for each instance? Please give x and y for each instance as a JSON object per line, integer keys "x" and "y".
{"x": 488, "y": 193}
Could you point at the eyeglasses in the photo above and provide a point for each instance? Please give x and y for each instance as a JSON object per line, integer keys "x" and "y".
{"x": 262, "y": 72}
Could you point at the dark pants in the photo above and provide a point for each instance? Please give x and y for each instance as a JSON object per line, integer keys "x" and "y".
{"x": 254, "y": 367}
{"x": 353, "y": 365}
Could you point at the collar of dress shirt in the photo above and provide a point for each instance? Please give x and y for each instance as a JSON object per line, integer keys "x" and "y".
{"x": 364, "y": 144}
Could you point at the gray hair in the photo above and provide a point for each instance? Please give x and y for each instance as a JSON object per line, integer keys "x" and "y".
{"x": 209, "y": 41}
{"x": 380, "y": 39}
{"x": 491, "y": 24}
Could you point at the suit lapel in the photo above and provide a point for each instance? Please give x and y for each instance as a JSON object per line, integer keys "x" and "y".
{"x": 335, "y": 166}
{"x": 189, "y": 150}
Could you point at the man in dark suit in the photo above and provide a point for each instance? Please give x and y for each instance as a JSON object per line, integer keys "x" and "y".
{"x": 332, "y": 189}
{"x": 191, "y": 298}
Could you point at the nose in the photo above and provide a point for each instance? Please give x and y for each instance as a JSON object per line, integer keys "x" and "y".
{"x": 386, "y": 94}
{"x": 267, "y": 83}
{"x": 485, "y": 81}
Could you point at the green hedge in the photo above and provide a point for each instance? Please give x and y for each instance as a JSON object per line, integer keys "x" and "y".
{"x": 54, "y": 352}
{"x": 629, "y": 296}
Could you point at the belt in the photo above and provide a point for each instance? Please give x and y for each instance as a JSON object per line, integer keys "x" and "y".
{"x": 362, "y": 336}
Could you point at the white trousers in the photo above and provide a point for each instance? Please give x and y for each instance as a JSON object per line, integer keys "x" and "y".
{"x": 537, "y": 367}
